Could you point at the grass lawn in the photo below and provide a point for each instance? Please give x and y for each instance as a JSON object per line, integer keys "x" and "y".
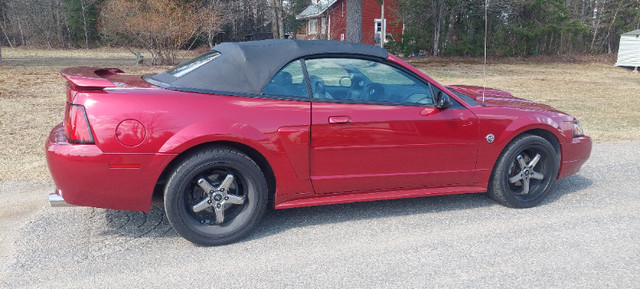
{"x": 32, "y": 97}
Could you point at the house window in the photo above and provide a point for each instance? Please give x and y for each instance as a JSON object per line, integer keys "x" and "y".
{"x": 378, "y": 25}
{"x": 378, "y": 30}
{"x": 313, "y": 26}
{"x": 324, "y": 26}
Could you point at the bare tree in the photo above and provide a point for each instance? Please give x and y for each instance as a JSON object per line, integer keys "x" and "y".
{"x": 37, "y": 22}
{"x": 211, "y": 19}
{"x": 277, "y": 18}
{"x": 438, "y": 7}
{"x": 160, "y": 26}
{"x": 85, "y": 5}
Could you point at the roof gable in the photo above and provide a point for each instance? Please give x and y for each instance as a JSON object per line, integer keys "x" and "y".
{"x": 632, "y": 33}
{"x": 314, "y": 10}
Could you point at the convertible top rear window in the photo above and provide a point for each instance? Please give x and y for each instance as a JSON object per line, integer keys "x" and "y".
{"x": 192, "y": 64}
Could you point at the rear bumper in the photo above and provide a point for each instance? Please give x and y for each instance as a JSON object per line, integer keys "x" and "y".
{"x": 574, "y": 155}
{"x": 86, "y": 176}
{"x": 56, "y": 200}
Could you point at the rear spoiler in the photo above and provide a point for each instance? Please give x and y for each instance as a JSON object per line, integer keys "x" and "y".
{"x": 90, "y": 77}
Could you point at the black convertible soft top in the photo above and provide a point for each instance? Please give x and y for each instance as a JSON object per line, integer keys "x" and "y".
{"x": 247, "y": 67}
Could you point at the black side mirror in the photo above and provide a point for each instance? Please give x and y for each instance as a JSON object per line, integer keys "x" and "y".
{"x": 442, "y": 100}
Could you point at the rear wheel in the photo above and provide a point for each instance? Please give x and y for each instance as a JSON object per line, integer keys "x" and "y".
{"x": 525, "y": 172}
{"x": 215, "y": 196}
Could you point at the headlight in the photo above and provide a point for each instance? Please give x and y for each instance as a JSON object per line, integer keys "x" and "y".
{"x": 577, "y": 129}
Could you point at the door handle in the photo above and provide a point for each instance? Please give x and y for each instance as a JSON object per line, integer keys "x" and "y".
{"x": 339, "y": 119}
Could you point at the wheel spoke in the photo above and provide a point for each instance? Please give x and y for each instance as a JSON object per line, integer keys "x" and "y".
{"x": 236, "y": 200}
{"x": 226, "y": 183}
{"x": 525, "y": 186}
{"x": 515, "y": 178}
{"x": 534, "y": 161}
{"x": 521, "y": 162}
{"x": 537, "y": 176}
{"x": 199, "y": 207}
{"x": 216, "y": 198}
{"x": 219, "y": 210}
{"x": 208, "y": 188}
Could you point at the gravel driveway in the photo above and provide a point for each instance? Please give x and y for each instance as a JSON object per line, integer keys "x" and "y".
{"x": 587, "y": 234}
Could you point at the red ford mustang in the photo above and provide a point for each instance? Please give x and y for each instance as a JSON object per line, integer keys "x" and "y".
{"x": 288, "y": 123}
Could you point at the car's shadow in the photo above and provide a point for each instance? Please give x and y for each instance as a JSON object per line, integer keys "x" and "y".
{"x": 277, "y": 221}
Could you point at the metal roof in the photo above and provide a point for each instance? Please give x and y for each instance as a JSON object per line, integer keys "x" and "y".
{"x": 634, "y": 32}
{"x": 314, "y": 10}
{"x": 247, "y": 67}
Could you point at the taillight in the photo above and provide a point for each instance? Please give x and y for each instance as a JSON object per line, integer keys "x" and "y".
{"x": 76, "y": 124}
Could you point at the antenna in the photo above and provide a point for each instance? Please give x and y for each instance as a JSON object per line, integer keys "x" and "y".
{"x": 484, "y": 65}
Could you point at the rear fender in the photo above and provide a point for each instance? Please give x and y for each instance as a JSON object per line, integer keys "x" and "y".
{"x": 226, "y": 130}
{"x": 290, "y": 180}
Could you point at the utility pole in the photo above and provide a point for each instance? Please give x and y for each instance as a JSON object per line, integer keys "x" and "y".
{"x": 383, "y": 26}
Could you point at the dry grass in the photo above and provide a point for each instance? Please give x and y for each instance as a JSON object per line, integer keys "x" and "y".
{"x": 604, "y": 98}
{"x": 32, "y": 97}
{"x": 32, "y": 101}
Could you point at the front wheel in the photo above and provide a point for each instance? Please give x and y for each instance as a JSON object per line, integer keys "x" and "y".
{"x": 215, "y": 196}
{"x": 524, "y": 173}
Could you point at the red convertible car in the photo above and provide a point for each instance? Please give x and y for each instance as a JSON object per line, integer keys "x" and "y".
{"x": 286, "y": 123}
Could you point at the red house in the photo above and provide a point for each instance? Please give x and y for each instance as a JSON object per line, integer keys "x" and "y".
{"x": 327, "y": 19}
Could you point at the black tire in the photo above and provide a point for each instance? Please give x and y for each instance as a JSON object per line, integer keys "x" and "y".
{"x": 184, "y": 191}
{"x": 508, "y": 180}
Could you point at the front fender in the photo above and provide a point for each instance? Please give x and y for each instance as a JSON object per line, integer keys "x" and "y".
{"x": 532, "y": 122}
{"x": 506, "y": 127}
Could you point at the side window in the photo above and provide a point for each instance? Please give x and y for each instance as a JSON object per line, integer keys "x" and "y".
{"x": 289, "y": 81}
{"x": 329, "y": 80}
{"x": 365, "y": 80}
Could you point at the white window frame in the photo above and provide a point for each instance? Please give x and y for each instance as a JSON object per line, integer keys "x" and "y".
{"x": 312, "y": 26}
{"x": 377, "y": 25}
{"x": 323, "y": 29}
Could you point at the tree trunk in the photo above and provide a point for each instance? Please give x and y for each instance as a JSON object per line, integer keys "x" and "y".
{"x": 354, "y": 21}
{"x": 280, "y": 19}
{"x": 21, "y": 32}
{"x": 277, "y": 27}
{"x": 84, "y": 24}
{"x": 438, "y": 15}
{"x": 6, "y": 36}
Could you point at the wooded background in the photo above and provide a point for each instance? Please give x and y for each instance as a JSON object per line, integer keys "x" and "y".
{"x": 436, "y": 27}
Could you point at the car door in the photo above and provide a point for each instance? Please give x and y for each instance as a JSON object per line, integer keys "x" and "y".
{"x": 289, "y": 85}
{"x": 383, "y": 132}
